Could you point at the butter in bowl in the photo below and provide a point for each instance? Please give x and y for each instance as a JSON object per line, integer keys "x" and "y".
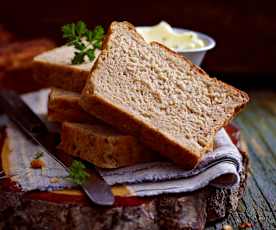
{"x": 191, "y": 44}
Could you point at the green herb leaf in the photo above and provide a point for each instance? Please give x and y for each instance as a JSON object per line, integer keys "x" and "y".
{"x": 89, "y": 35}
{"x": 81, "y": 28}
{"x": 79, "y": 58}
{"x": 91, "y": 54}
{"x": 38, "y": 155}
{"x": 79, "y": 45}
{"x": 69, "y": 31}
{"x": 98, "y": 33}
{"x": 84, "y": 40}
{"x": 77, "y": 173}
{"x": 98, "y": 44}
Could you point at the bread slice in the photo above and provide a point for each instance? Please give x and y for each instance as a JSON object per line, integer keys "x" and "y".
{"x": 54, "y": 69}
{"x": 94, "y": 142}
{"x": 158, "y": 96}
{"x": 102, "y": 145}
{"x": 64, "y": 106}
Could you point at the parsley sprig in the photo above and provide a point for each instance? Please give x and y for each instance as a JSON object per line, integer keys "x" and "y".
{"x": 77, "y": 173}
{"x": 84, "y": 40}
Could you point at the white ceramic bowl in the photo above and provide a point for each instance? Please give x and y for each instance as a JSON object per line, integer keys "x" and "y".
{"x": 195, "y": 55}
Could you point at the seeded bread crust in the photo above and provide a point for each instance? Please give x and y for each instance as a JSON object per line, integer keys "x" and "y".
{"x": 122, "y": 119}
{"x": 150, "y": 137}
{"x": 64, "y": 106}
{"x": 54, "y": 69}
{"x": 102, "y": 145}
{"x": 93, "y": 140}
{"x": 60, "y": 76}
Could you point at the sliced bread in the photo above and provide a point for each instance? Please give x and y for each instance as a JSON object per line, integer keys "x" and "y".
{"x": 102, "y": 145}
{"x": 64, "y": 106}
{"x": 54, "y": 69}
{"x": 158, "y": 96}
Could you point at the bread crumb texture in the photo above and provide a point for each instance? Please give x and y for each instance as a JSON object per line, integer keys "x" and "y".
{"x": 162, "y": 89}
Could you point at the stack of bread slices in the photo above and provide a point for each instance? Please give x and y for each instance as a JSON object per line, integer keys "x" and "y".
{"x": 137, "y": 102}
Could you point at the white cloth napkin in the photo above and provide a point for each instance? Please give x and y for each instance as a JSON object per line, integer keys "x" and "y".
{"x": 143, "y": 179}
{"x": 164, "y": 177}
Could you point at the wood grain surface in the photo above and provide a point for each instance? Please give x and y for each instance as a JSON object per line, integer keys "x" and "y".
{"x": 258, "y": 124}
{"x": 257, "y": 207}
{"x": 182, "y": 211}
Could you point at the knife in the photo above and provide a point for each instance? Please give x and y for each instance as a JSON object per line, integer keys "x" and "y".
{"x": 98, "y": 191}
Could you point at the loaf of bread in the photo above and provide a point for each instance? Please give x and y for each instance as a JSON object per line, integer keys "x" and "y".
{"x": 94, "y": 142}
{"x": 54, "y": 69}
{"x": 158, "y": 96}
{"x": 64, "y": 106}
{"x": 102, "y": 145}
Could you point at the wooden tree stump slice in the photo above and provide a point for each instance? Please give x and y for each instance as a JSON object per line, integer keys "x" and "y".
{"x": 53, "y": 210}
{"x": 46, "y": 210}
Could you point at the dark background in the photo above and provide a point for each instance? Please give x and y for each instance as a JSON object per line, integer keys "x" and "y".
{"x": 245, "y": 31}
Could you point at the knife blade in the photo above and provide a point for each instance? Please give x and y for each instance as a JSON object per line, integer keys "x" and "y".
{"x": 98, "y": 191}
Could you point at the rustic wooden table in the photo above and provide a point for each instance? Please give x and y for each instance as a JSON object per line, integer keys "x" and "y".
{"x": 258, "y": 125}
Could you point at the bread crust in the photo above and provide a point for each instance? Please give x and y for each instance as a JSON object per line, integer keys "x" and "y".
{"x": 126, "y": 122}
{"x": 60, "y": 76}
{"x": 55, "y": 115}
{"x": 107, "y": 150}
{"x": 203, "y": 73}
{"x": 62, "y": 107}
